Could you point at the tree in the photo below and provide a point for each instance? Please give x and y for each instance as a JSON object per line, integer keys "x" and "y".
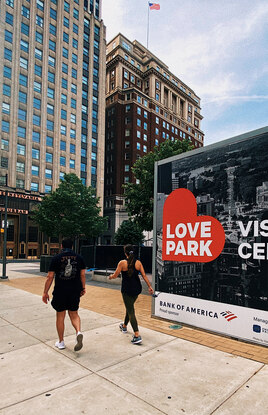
{"x": 128, "y": 233}
{"x": 71, "y": 211}
{"x": 140, "y": 196}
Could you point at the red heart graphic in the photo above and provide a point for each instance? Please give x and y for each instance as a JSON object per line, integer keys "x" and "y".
{"x": 186, "y": 236}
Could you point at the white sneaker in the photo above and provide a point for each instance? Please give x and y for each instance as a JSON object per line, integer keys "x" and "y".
{"x": 60, "y": 345}
{"x": 79, "y": 342}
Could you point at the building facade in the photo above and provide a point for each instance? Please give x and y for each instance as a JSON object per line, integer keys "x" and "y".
{"x": 145, "y": 105}
{"x": 52, "y": 75}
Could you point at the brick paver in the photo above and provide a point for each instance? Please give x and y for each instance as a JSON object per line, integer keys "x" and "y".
{"x": 109, "y": 302}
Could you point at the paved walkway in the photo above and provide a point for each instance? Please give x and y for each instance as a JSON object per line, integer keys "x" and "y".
{"x": 185, "y": 371}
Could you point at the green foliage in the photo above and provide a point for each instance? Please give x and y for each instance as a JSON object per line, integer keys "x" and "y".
{"x": 129, "y": 233}
{"x": 71, "y": 210}
{"x": 140, "y": 197}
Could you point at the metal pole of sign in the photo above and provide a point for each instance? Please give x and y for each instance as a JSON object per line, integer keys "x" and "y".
{"x": 4, "y": 276}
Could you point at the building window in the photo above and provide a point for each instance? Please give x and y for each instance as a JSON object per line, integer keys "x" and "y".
{"x": 50, "y": 125}
{"x": 34, "y": 187}
{"x": 37, "y": 86}
{"x": 8, "y": 54}
{"x": 5, "y": 108}
{"x": 39, "y": 37}
{"x": 8, "y": 36}
{"x": 35, "y": 170}
{"x": 35, "y": 154}
{"x": 51, "y": 61}
{"x": 50, "y": 109}
{"x": 23, "y": 63}
{"x": 21, "y": 132}
{"x": 63, "y": 145}
{"x": 62, "y": 161}
{"x": 36, "y": 120}
{"x": 49, "y": 157}
{"x": 20, "y": 167}
{"x": 40, "y": 5}
{"x": 20, "y": 183}
{"x": 52, "y": 29}
{"x": 9, "y": 18}
{"x": 25, "y": 12}
{"x": 49, "y": 141}
{"x": 22, "y": 114}
{"x": 21, "y": 149}
{"x": 53, "y": 13}
{"x": 50, "y": 93}
{"x": 4, "y": 163}
{"x": 39, "y": 21}
{"x": 48, "y": 174}
{"x": 7, "y": 72}
{"x": 36, "y": 137}
{"x": 48, "y": 188}
{"x": 38, "y": 70}
{"x": 4, "y": 144}
{"x": 5, "y": 126}
{"x": 37, "y": 103}
{"x": 72, "y": 164}
{"x": 6, "y": 90}
{"x": 76, "y": 14}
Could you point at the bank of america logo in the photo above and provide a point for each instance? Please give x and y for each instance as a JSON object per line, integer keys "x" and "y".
{"x": 228, "y": 315}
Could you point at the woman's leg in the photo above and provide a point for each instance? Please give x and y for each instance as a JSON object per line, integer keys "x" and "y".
{"x": 130, "y": 312}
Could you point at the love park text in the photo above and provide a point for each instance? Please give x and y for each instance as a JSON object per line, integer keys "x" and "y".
{"x": 186, "y": 236}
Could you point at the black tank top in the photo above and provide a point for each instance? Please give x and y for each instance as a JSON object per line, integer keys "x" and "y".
{"x": 131, "y": 284}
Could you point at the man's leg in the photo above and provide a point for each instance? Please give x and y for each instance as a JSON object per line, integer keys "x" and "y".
{"x": 60, "y": 324}
{"x": 75, "y": 320}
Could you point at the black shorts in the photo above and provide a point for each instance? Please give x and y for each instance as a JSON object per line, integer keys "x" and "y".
{"x": 65, "y": 301}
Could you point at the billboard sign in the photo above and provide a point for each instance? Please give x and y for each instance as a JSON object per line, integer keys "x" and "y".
{"x": 211, "y": 237}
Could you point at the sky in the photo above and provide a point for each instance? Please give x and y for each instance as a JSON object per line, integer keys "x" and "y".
{"x": 219, "y": 48}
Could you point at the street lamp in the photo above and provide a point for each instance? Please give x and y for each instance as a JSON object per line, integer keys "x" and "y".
{"x": 4, "y": 276}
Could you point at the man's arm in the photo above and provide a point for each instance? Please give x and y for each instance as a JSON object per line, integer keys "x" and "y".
{"x": 83, "y": 281}
{"x": 49, "y": 280}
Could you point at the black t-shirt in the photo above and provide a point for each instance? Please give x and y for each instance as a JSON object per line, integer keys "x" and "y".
{"x": 67, "y": 266}
{"x": 131, "y": 285}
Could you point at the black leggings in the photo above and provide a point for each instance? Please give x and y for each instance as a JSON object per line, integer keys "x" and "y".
{"x": 130, "y": 311}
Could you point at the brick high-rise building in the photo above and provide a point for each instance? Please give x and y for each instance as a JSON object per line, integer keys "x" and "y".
{"x": 145, "y": 105}
{"x": 52, "y": 75}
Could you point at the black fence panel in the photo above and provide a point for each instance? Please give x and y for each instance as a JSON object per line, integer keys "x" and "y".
{"x": 108, "y": 256}
{"x": 88, "y": 253}
{"x": 146, "y": 253}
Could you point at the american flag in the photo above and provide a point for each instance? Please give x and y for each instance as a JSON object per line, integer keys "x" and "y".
{"x": 154, "y": 6}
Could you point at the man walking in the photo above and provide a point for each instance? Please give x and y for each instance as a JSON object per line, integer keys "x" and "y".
{"x": 70, "y": 280}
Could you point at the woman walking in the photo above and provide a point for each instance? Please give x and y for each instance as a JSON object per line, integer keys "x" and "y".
{"x": 131, "y": 288}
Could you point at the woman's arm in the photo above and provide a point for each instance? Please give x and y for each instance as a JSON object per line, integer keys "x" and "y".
{"x": 141, "y": 269}
{"x": 117, "y": 271}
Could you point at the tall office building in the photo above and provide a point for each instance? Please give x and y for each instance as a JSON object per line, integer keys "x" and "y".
{"x": 145, "y": 105}
{"x": 52, "y": 74}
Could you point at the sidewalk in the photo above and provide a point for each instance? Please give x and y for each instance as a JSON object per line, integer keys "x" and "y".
{"x": 173, "y": 372}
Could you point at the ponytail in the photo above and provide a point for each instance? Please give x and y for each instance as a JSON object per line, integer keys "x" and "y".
{"x": 129, "y": 251}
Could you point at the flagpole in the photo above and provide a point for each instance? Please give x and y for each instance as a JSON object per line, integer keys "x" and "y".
{"x": 148, "y": 25}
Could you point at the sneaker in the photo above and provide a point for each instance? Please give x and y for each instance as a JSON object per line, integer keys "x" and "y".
{"x": 136, "y": 340}
{"x": 122, "y": 328}
{"x": 79, "y": 342}
{"x": 60, "y": 345}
